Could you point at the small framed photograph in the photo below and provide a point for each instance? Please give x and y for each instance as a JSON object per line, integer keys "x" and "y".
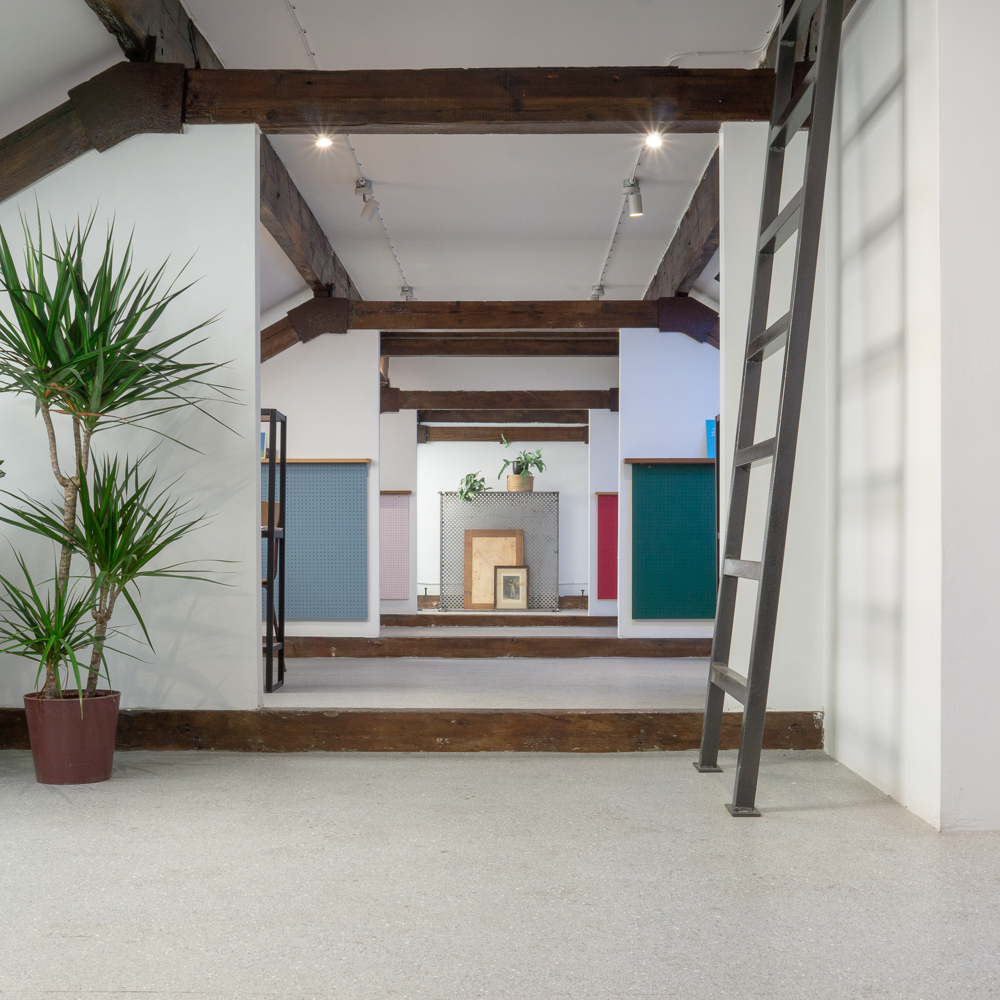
{"x": 510, "y": 588}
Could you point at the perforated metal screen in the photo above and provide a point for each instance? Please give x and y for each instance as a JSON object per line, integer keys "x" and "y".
{"x": 536, "y": 514}
{"x": 326, "y": 540}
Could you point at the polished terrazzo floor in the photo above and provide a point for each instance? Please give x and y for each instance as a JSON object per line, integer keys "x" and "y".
{"x": 452, "y": 876}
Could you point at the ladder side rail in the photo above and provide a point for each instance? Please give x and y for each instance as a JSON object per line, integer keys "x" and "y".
{"x": 746, "y": 424}
{"x": 269, "y": 577}
{"x": 282, "y": 507}
{"x": 793, "y": 373}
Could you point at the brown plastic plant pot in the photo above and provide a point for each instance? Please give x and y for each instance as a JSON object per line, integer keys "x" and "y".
{"x": 70, "y": 747}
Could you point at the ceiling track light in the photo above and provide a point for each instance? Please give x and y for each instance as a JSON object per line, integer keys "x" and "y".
{"x": 630, "y": 188}
{"x": 363, "y": 187}
{"x": 596, "y": 291}
{"x": 369, "y": 209}
{"x": 406, "y": 292}
{"x": 323, "y": 141}
{"x": 654, "y": 140}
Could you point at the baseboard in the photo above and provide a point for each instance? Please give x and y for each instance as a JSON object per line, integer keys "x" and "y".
{"x": 489, "y": 646}
{"x": 418, "y": 731}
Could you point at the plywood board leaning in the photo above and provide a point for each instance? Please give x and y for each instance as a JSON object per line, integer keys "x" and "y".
{"x": 486, "y": 548}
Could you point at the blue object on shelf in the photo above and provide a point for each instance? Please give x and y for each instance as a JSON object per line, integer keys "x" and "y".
{"x": 710, "y": 437}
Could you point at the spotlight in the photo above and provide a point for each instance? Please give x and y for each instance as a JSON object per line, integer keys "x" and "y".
{"x": 323, "y": 141}
{"x": 630, "y": 188}
{"x": 596, "y": 291}
{"x": 654, "y": 140}
{"x": 406, "y": 292}
{"x": 369, "y": 208}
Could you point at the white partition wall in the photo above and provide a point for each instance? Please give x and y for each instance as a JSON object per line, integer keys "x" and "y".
{"x": 398, "y": 471}
{"x": 603, "y": 457}
{"x": 329, "y": 390}
{"x": 668, "y": 388}
{"x": 194, "y": 195}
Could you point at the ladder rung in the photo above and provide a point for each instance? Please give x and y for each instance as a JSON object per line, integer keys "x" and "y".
{"x": 783, "y": 226}
{"x": 777, "y": 330}
{"x": 798, "y": 109}
{"x": 801, "y": 12}
{"x": 747, "y": 456}
{"x": 745, "y": 569}
{"x": 730, "y": 681}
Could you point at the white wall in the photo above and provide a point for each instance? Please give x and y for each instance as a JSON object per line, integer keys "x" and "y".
{"x": 669, "y": 387}
{"x": 329, "y": 390}
{"x": 442, "y": 464}
{"x": 603, "y": 463}
{"x": 398, "y": 471}
{"x": 970, "y": 410}
{"x": 796, "y": 682}
{"x": 192, "y": 194}
{"x": 884, "y": 676}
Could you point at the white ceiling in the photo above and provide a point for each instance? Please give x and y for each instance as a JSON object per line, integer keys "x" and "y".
{"x": 491, "y": 216}
{"x": 46, "y": 47}
{"x": 474, "y": 217}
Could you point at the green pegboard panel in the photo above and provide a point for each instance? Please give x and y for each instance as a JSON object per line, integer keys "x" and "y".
{"x": 673, "y": 541}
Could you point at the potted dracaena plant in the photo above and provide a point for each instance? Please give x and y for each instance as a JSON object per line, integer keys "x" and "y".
{"x": 86, "y": 351}
{"x": 521, "y": 480}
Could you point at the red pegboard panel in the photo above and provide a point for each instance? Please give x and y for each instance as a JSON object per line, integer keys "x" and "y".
{"x": 607, "y": 547}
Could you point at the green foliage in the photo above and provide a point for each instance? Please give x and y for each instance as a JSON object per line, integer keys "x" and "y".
{"x": 89, "y": 350}
{"x": 85, "y": 348}
{"x": 523, "y": 463}
{"x": 122, "y": 525}
{"x": 51, "y": 629}
{"x": 470, "y": 486}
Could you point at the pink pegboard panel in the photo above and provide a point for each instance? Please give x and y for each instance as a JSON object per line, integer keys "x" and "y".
{"x": 394, "y": 547}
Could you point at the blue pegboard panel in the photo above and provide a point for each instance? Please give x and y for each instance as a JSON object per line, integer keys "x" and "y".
{"x": 326, "y": 540}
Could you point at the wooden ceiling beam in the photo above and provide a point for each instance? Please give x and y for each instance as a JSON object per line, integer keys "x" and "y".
{"x": 399, "y": 346}
{"x": 394, "y": 399}
{"x": 503, "y": 416}
{"x": 600, "y": 99}
{"x": 287, "y": 217}
{"x": 695, "y": 241}
{"x": 428, "y": 433}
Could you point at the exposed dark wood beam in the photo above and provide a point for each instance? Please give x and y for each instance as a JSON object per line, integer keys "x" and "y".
{"x": 509, "y": 347}
{"x": 694, "y": 242}
{"x": 331, "y": 315}
{"x": 503, "y": 399}
{"x": 428, "y": 433}
{"x": 288, "y": 218}
{"x": 276, "y": 338}
{"x": 558, "y": 99}
{"x": 156, "y": 31}
{"x": 41, "y": 146}
{"x": 504, "y": 416}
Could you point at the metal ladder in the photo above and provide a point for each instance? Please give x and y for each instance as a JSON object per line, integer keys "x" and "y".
{"x": 796, "y": 103}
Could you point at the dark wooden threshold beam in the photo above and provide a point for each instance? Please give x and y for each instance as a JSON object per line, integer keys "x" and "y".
{"x": 694, "y": 242}
{"x": 428, "y": 433}
{"x": 599, "y": 99}
{"x": 504, "y": 416}
{"x": 394, "y": 399}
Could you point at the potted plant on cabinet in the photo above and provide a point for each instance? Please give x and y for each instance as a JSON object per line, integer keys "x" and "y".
{"x": 86, "y": 352}
{"x": 521, "y": 480}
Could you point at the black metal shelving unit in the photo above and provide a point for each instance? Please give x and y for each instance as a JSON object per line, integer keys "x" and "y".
{"x": 273, "y": 530}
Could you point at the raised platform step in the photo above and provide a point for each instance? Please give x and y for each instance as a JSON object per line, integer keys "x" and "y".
{"x": 539, "y": 647}
{"x": 490, "y": 619}
{"x": 417, "y": 731}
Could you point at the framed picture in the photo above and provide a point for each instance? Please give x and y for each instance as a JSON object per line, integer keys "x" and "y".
{"x": 484, "y": 549}
{"x": 510, "y": 586}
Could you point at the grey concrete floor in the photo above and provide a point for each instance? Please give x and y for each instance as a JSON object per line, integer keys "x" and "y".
{"x": 449, "y": 876}
{"x": 624, "y": 683}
